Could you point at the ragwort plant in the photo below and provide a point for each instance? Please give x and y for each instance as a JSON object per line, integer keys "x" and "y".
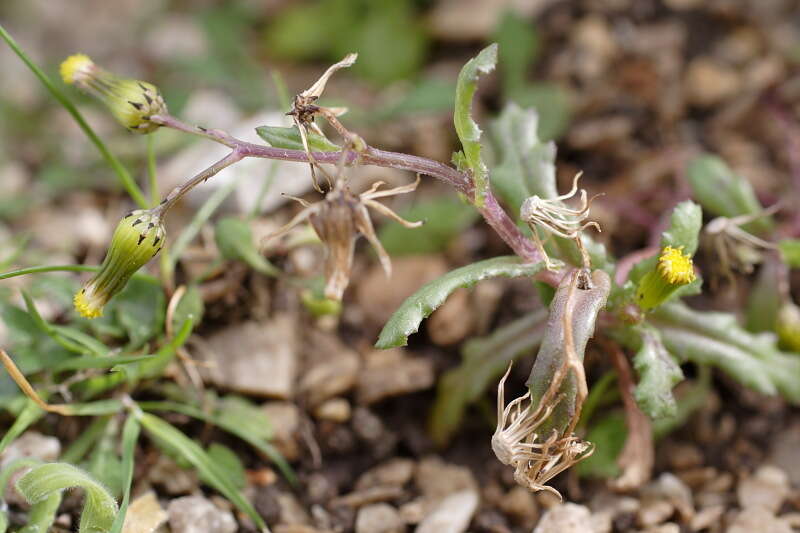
{"x": 632, "y": 305}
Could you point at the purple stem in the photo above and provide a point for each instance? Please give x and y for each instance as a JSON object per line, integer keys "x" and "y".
{"x": 491, "y": 210}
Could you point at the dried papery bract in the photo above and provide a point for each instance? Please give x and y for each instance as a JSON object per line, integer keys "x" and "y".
{"x": 736, "y": 249}
{"x": 552, "y": 216}
{"x": 535, "y": 432}
{"x": 339, "y": 219}
{"x": 304, "y": 110}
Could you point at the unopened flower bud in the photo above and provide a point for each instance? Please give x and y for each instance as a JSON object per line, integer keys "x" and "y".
{"x": 673, "y": 270}
{"x": 132, "y": 102}
{"x": 788, "y": 327}
{"x": 138, "y": 238}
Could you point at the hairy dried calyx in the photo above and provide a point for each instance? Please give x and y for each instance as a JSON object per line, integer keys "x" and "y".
{"x": 535, "y": 432}
{"x": 138, "y": 237}
{"x": 673, "y": 270}
{"x": 132, "y": 102}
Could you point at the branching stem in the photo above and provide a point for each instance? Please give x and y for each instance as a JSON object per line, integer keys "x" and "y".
{"x": 491, "y": 210}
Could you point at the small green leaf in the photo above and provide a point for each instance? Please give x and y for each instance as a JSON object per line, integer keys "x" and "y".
{"x": 519, "y": 44}
{"x": 527, "y": 165}
{"x": 289, "y": 138}
{"x": 684, "y": 227}
{"x": 42, "y": 514}
{"x": 140, "y": 309}
{"x": 99, "y": 506}
{"x": 190, "y": 307}
{"x": 467, "y": 129}
{"x": 445, "y": 217}
{"x": 551, "y": 101}
{"x": 235, "y": 242}
{"x": 608, "y": 436}
{"x": 417, "y": 307}
{"x": 724, "y": 193}
{"x": 658, "y": 373}
{"x": 130, "y": 435}
{"x": 790, "y": 252}
{"x": 213, "y": 473}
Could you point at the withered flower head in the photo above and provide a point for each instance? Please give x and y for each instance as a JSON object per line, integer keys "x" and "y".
{"x": 338, "y": 220}
{"x": 536, "y": 458}
{"x": 737, "y": 249}
{"x": 554, "y": 217}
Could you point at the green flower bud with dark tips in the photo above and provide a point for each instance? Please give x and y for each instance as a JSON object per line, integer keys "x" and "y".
{"x": 132, "y": 102}
{"x": 138, "y": 238}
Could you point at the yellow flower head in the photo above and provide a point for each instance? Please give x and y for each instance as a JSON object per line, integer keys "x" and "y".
{"x": 132, "y": 102}
{"x": 675, "y": 266}
{"x": 138, "y": 238}
{"x": 75, "y": 67}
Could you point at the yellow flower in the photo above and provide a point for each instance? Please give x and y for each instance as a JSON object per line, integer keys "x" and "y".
{"x": 675, "y": 266}
{"x": 138, "y": 238}
{"x": 132, "y": 102}
{"x": 75, "y": 67}
{"x": 673, "y": 270}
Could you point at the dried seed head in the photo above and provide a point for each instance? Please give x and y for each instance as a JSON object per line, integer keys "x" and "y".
{"x": 339, "y": 219}
{"x": 132, "y": 102}
{"x": 736, "y": 249}
{"x": 673, "y": 270}
{"x": 552, "y": 216}
{"x": 138, "y": 238}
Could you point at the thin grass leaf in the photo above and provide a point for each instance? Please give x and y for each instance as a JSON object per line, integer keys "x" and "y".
{"x": 99, "y": 506}
{"x": 130, "y": 435}
{"x": 48, "y": 329}
{"x": 214, "y": 474}
{"x": 86, "y": 440}
{"x": 26, "y": 418}
{"x": 254, "y": 439}
{"x": 87, "y": 362}
{"x": 124, "y": 176}
{"x": 417, "y": 307}
{"x": 469, "y": 133}
{"x": 64, "y": 268}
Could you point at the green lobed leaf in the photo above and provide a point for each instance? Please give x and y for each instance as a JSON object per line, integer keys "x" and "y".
{"x": 658, "y": 373}
{"x": 417, "y": 307}
{"x": 99, "y": 506}
{"x": 527, "y": 165}
{"x": 289, "y": 138}
{"x": 716, "y": 339}
{"x": 483, "y": 360}
{"x": 724, "y": 193}
{"x": 790, "y": 252}
{"x": 140, "y": 309}
{"x": 684, "y": 227}
{"x": 130, "y": 435}
{"x": 467, "y": 129}
{"x": 213, "y": 473}
{"x": 235, "y": 242}
{"x": 445, "y": 217}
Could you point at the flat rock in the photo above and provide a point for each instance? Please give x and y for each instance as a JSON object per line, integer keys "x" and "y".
{"x": 768, "y": 487}
{"x": 566, "y": 518}
{"x": 393, "y": 372}
{"x": 33, "y": 445}
{"x": 257, "y": 358}
{"x": 195, "y": 514}
{"x": 394, "y": 473}
{"x": 437, "y": 479}
{"x": 379, "y": 518}
{"x": 144, "y": 515}
{"x": 452, "y": 515}
{"x": 785, "y": 453}
{"x": 175, "y": 480}
{"x": 758, "y": 519}
{"x": 332, "y": 368}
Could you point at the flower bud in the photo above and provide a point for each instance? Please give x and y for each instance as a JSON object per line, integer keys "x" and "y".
{"x": 788, "y": 326}
{"x": 673, "y": 270}
{"x": 138, "y": 238}
{"x": 132, "y": 102}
